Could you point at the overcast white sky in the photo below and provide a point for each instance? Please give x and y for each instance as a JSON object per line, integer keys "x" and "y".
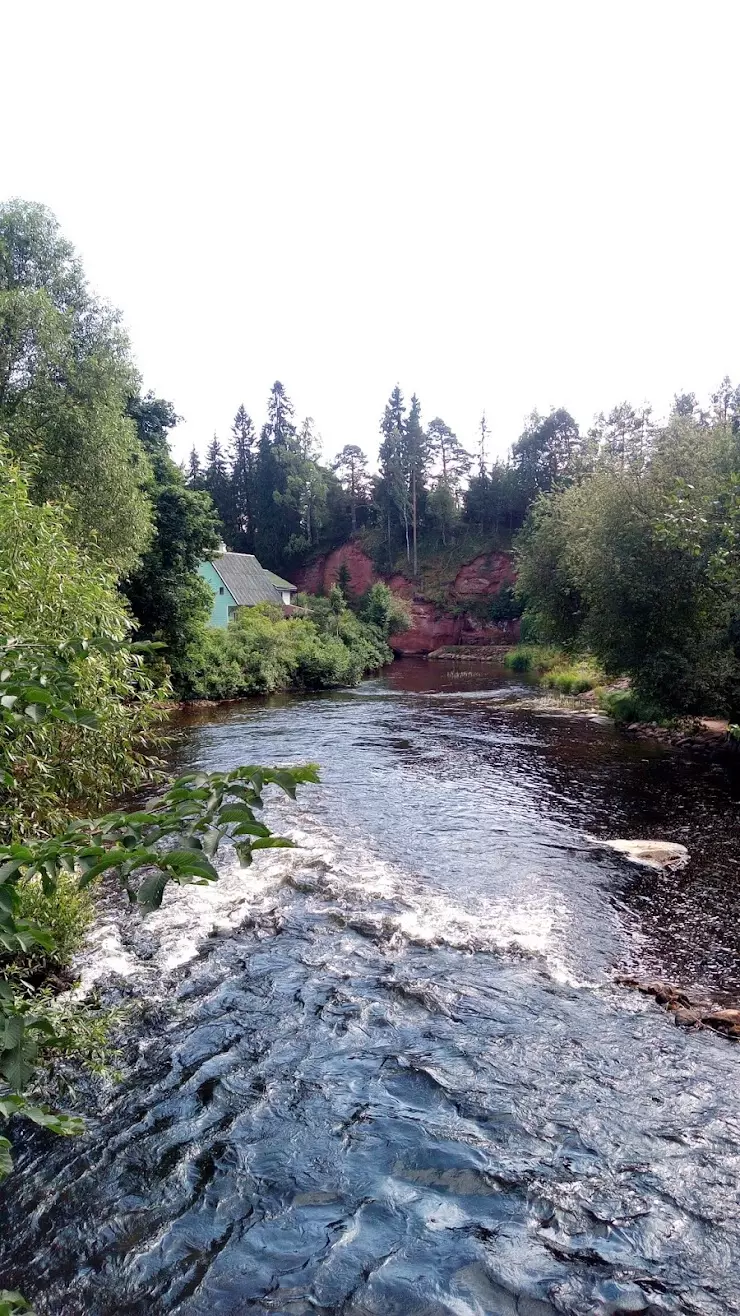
{"x": 499, "y": 205}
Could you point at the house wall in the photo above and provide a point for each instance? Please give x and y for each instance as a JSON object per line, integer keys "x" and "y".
{"x": 223, "y": 599}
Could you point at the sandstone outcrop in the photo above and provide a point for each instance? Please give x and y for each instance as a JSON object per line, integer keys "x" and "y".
{"x": 433, "y": 626}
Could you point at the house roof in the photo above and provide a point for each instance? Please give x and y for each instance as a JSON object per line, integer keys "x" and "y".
{"x": 246, "y": 580}
{"x": 278, "y": 580}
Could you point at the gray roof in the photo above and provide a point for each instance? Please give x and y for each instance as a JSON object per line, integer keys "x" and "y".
{"x": 247, "y": 581}
{"x": 278, "y": 580}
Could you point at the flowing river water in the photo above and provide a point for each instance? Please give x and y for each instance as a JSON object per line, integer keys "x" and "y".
{"x": 390, "y": 1073}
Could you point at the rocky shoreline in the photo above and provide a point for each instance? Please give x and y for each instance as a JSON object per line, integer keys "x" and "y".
{"x": 690, "y": 1008}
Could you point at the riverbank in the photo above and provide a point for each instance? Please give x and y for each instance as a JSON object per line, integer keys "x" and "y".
{"x": 581, "y": 678}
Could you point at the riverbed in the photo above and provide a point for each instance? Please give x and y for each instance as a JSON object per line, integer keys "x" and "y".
{"x": 390, "y": 1073}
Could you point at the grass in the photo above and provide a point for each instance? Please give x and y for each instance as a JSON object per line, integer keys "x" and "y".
{"x": 559, "y": 671}
{"x": 625, "y": 706}
{"x": 570, "y": 674}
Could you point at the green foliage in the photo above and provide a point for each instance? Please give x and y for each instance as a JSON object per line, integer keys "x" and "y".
{"x": 12, "y": 1303}
{"x": 167, "y": 596}
{"x": 555, "y": 668}
{"x": 66, "y": 913}
{"x": 626, "y": 706}
{"x": 535, "y": 658}
{"x": 574, "y": 678}
{"x": 65, "y": 379}
{"x": 173, "y": 841}
{"x": 261, "y": 651}
{"x": 638, "y": 565}
{"x": 52, "y": 594}
{"x": 384, "y": 610}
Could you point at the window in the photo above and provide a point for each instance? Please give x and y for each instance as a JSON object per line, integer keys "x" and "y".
{"x": 220, "y": 589}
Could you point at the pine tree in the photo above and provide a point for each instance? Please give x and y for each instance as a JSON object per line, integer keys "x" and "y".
{"x": 391, "y": 489}
{"x": 417, "y": 459}
{"x": 451, "y": 459}
{"x": 351, "y": 466}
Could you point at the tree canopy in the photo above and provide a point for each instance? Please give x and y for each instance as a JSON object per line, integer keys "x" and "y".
{"x": 66, "y": 377}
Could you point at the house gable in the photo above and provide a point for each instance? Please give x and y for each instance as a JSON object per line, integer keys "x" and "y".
{"x": 239, "y": 580}
{"x": 224, "y": 603}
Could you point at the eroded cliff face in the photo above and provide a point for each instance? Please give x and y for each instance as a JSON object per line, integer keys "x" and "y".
{"x": 431, "y": 625}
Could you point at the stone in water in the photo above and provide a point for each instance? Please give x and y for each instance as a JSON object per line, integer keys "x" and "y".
{"x": 654, "y": 854}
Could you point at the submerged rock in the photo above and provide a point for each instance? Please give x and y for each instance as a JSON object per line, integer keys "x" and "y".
{"x": 688, "y": 1007}
{"x": 653, "y": 854}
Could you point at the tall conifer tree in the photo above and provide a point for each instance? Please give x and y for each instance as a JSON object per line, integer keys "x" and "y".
{"x": 243, "y": 480}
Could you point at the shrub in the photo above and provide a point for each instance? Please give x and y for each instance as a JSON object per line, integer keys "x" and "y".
{"x": 536, "y": 658}
{"x": 51, "y": 592}
{"x": 262, "y": 651}
{"x": 66, "y": 912}
{"x": 385, "y": 610}
{"x": 575, "y": 678}
{"x": 626, "y": 706}
{"x": 556, "y": 669}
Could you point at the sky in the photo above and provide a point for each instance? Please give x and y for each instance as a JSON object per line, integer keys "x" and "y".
{"x": 498, "y": 204}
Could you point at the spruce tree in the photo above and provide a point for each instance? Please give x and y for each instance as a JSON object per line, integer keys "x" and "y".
{"x": 217, "y": 482}
{"x": 243, "y": 477}
{"x": 277, "y": 510}
{"x": 193, "y": 472}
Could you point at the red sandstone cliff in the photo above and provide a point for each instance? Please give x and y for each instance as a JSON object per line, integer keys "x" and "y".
{"x": 431, "y": 625}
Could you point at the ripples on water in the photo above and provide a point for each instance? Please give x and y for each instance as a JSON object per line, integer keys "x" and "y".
{"x": 400, "y": 1079}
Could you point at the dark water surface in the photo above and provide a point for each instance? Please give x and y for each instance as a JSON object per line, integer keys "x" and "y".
{"x": 400, "y": 1079}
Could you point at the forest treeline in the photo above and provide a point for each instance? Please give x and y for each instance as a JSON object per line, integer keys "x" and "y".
{"x": 628, "y": 543}
{"x": 626, "y": 531}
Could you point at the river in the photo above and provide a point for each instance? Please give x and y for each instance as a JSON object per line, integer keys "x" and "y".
{"x": 389, "y": 1073}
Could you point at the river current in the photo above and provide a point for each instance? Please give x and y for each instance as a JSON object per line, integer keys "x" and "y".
{"x": 390, "y": 1073}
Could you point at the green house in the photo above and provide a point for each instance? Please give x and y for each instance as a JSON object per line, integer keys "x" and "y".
{"x": 238, "y": 580}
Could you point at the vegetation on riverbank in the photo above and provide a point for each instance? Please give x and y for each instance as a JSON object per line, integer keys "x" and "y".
{"x": 568, "y": 674}
{"x": 323, "y": 645}
{"x": 46, "y": 873}
{"x": 634, "y": 556}
{"x": 578, "y": 674}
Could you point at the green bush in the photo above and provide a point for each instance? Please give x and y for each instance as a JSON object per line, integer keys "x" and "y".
{"x": 262, "y": 651}
{"x": 385, "y": 610}
{"x": 556, "y": 669}
{"x": 535, "y": 658}
{"x": 639, "y": 564}
{"x": 66, "y": 913}
{"x": 51, "y": 592}
{"x": 626, "y": 706}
